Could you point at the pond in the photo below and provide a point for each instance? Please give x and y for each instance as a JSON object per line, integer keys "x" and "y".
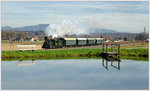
{"x": 74, "y": 74}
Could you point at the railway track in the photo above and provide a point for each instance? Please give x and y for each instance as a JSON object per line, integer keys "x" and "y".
{"x": 122, "y": 44}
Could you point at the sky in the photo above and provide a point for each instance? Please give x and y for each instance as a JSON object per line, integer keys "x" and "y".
{"x": 122, "y": 16}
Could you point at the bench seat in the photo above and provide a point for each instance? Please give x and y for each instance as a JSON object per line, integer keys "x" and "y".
{"x": 26, "y": 47}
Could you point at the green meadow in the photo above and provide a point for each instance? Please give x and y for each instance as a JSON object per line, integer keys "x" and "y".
{"x": 72, "y": 53}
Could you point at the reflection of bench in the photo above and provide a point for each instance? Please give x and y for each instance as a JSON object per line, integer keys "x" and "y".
{"x": 26, "y": 47}
{"x": 26, "y": 63}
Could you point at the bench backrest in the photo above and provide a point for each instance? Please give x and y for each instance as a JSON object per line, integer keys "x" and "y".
{"x": 26, "y": 45}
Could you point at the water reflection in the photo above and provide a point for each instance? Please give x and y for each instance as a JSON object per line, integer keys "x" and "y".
{"x": 105, "y": 62}
{"x": 75, "y": 74}
{"x": 112, "y": 60}
{"x": 26, "y": 63}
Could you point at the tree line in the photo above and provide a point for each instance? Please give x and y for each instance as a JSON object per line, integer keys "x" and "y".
{"x": 8, "y": 35}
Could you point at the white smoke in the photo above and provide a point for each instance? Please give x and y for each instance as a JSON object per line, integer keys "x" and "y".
{"x": 66, "y": 27}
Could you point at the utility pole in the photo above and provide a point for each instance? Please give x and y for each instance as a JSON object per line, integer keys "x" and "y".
{"x": 144, "y": 33}
{"x": 11, "y": 42}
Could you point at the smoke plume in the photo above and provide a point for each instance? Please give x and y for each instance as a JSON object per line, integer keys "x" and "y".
{"x": 66, "y": 27}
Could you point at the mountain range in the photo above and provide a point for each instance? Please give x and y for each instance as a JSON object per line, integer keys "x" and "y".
{"x": 42, "y": 27}
{"x": 39, "y": 27}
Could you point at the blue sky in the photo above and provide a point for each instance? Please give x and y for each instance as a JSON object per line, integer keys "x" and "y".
{"x": 121, "y": 16}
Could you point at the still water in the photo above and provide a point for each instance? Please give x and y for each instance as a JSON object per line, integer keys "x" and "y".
{"x": 74, "y": 74}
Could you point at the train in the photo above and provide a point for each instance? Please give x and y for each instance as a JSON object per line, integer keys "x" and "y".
{"x": 70, "y": 42}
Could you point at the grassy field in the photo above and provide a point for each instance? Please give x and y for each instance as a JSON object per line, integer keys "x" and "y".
{"x": 139, "y": 52}
{"x": 127, "y": 50}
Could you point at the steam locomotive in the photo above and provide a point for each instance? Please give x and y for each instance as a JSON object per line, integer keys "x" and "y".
{"x": 67, "y": 42}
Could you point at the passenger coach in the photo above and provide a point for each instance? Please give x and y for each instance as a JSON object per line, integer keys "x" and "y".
{"x": 68, "y": 42}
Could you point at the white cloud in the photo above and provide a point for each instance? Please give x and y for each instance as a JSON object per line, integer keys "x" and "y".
{"x": 121, "y": 22}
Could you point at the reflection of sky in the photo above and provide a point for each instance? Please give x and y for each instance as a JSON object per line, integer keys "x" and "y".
{"x": 120, "y": 16}
{"x": 75, "y": 74}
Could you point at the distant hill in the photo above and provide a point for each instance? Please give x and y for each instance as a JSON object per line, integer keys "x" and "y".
{"x": 96, "y": 31}
{"x": 39, "y": 27}
{"x": 42, "y": 27}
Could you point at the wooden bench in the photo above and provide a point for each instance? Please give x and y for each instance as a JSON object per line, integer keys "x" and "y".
{"x": 26, "y": 47}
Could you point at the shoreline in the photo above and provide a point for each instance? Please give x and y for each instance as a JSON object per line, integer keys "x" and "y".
{"x": 71, "y": 53}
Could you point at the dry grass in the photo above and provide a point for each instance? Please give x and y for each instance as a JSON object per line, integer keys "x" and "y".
{"x": 7, "y": 46}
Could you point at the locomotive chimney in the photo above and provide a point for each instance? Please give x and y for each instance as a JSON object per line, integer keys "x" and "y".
{"x": 45, "y": 38}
